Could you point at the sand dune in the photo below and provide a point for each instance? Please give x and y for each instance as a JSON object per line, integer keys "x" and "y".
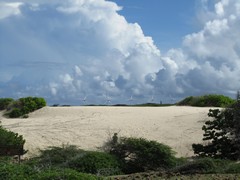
{"x": 90, "y": 127}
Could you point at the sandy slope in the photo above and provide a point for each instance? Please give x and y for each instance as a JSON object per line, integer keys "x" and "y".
{"x": 89, "y": 127}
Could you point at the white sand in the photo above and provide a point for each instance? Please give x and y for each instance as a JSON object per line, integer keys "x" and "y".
{"x": 90, "y": 127}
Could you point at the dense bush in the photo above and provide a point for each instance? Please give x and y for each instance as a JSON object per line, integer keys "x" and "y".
{"x": 96, "y": 163}
{"x": 205, "y": 166}
{"x": 15, "y": 172}
{"x": 15, "y": 113}
{"x": 139, "y": 155}
{"x": 80, "y": 160}
{"x": 65, "y": 174}
{"x": 5, "y": 102}
{"x": 24, "y": 106}
{"x": 212, "y": 100}
{"x": 199, "y": 166}
{"x": 59, "y": 156}
{"x": 233, "y": 168}
{"x": 11, "y": 140}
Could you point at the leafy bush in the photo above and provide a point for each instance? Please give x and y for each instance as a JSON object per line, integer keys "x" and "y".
{"x": 96, "y": 163}
{"x": 5, "y": 102}
{"x": 10, "y": 138}
{"x": 57, "y": 174}
{"x": 233, "y": 168}
{"x": 197, "y": 167}
{"x": 80, "y": 160}
{"x": 24, "y": 106}
{"x": 15, "y": 113}
{"x": 139, "y": 155}
{"x": 211, "y": 100}
{"x": 59, "y": 156}
{"x": 202, "y": 166}
{"x": 15, "y": 171}
{"x": 23, "y": 171}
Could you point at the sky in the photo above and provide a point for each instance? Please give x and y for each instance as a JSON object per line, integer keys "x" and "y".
{"x": 119, "y": 51}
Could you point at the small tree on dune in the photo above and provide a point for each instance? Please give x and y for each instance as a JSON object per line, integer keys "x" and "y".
{"x": 222, "y": 133}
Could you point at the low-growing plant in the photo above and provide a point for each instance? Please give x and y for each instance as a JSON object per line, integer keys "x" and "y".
{"x": 11, "y": 143}
{"x": 15, "y": 113}
{"x": 78, "y": 159}
{"x": 207, "y": 166}
{"x": 59, "y": 156}
{"x": 211, "y": 100}
{"x": 199, "y": 166}
{"x": 23, "y": 171}
{"x": 9, "y": 138}
{"x": 15, "y": 171}
{"x": 65, "y": 174}
{"x": 233, "y": 168}
{"x": 100, "y": 163}
{"x": 139, "y": 154}
{"x": 5, "y": 102}
{"x": 23, "y": 106}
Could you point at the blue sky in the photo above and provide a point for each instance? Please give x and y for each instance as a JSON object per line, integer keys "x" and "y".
{"x": 166, "y": 21}
{"x": 94, "y": 50}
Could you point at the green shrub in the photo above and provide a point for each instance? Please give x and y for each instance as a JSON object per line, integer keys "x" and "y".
{"x": 31, "y": 103}
{"x": 211, "y": 100}
{"x": 80, "y": 160}
{"x": 40, "y": 102}
{"x": 96, "y": 163}
{"x": 15, "y": 171}
{"x": 139, "y": 155}
{"x": 207, "y": 166}
{"x": 58, "y": 174}
{"x": 15, "y": 113}
{"x": 200, "y": 166}
{"x": 233, "y": 168}
{"x": 5, "y": 102}
{"x": 11, "y": 143}
{"x": 9, "y": 138}
{"x": 24, "y": 106}
{"x": 59, "y": 156}
{"x": 23, "y": 171}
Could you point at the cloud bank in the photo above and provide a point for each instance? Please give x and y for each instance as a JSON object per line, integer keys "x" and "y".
{"x": 68, "y": 50}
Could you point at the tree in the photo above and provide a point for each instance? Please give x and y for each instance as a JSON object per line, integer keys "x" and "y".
{"x": 237, "y": 123}
{"x": 222, "y": 134}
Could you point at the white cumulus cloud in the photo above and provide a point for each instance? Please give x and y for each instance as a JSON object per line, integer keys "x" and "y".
{"x": 68, "y": 50}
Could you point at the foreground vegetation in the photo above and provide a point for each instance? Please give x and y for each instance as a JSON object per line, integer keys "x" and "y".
{"x": 68, "y": 162}
{"x": 119, "y": 158}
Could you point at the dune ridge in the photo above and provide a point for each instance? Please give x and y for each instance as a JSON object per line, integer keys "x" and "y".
{"x": 89, "y": 127}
